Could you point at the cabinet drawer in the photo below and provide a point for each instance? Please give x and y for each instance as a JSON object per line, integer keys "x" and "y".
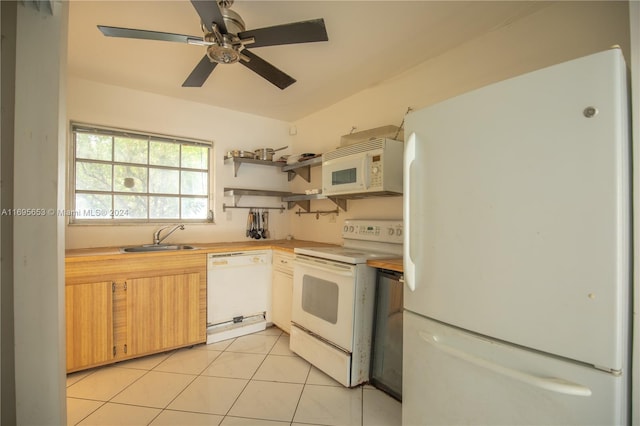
{"x": 283, "y": 262}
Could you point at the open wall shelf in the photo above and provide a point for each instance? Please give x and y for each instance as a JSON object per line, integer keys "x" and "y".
{"x": 238, "y": 161}
{"x": 302, "y": 168}
{"x": 304, "y": 201}
{"x": 237, "y": 193}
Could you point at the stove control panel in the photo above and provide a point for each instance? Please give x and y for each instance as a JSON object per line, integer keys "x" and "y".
{"x": 388, "y": 231}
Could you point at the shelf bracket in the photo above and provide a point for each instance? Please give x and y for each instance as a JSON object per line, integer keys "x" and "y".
{"x": 236, "y": 166}
{"x": 304, "y": 204}
{"x": 340, "y": 202}
{"x": 303, "y": 172}
{"x": 302, "y": 168}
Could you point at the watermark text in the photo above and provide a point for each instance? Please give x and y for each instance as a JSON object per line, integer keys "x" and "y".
{"x": 81, "y": 213}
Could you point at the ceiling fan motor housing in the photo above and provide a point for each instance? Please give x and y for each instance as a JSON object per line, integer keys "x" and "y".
{"x": 233, "y": 21}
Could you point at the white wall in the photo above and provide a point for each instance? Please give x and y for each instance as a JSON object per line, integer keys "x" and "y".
{"x": 559, "y": 32}
{"x": 101, "y": 104}
{"x": 38, "y": 244}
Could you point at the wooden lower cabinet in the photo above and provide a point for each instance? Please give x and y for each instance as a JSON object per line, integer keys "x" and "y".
{"x": 160, "y": 304}
{"x": 89, "y": 323}
{"x": 162, "y": 312}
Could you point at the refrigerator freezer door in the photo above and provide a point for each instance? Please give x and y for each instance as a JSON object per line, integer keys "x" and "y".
{"x": 454, "y": 378}
{"x": 517, "y": 219}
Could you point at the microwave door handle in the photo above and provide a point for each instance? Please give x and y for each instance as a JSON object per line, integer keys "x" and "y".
{"x": 365, "y": 171}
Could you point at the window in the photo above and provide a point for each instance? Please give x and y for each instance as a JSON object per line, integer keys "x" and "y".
{"x": 121, "y": 176}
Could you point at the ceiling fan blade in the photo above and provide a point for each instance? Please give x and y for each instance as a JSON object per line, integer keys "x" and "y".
{"x": 266, "y": 70}
{"x": 295, "y": 32}
{"x": 200, "y": 73}
{"x": 148, "y": 35}
{"x": 210, "y": 12}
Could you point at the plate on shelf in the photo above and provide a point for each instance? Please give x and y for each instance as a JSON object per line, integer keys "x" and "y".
{"x": 296, "y": 158}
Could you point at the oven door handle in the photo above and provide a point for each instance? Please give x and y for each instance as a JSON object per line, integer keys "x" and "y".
{"x": 326, "y": 267}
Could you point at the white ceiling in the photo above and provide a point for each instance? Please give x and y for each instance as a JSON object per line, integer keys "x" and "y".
{"x": 369, "y": 42}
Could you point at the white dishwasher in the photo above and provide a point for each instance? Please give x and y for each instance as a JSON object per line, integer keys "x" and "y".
{"x": 238, "y": 293}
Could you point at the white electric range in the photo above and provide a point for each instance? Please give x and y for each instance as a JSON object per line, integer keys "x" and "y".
{"x": 334, "y": 296}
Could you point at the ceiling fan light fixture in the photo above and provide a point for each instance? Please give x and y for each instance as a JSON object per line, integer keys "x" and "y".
{"x": 224, "y": 54}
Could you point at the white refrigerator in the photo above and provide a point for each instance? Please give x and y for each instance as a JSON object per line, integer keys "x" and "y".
{"x": 517, "y": 251}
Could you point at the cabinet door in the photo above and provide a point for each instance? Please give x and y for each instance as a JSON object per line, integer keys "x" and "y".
{"x": 89, "y": 324}
{"x": 282, "y": 287}
{"x": 162, "y": 312}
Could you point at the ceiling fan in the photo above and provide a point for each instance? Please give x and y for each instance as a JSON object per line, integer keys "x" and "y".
{"x": 226, "y": 40}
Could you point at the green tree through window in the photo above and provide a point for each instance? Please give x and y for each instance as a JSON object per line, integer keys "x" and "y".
{"x": 122, "y": 176}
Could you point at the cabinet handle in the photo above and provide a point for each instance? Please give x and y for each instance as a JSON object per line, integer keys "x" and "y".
{"x": 113, "y": 323}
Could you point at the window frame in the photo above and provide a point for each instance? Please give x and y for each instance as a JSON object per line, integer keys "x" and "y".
{"x": 71, "y": 213}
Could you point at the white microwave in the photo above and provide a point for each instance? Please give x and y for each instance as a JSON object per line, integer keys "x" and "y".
{"x": 370, "y": 168}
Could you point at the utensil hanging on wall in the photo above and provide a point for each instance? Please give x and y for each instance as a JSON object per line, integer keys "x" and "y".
{"x": 249, "y": 222}
{"x": 265, "y": 224}
{"x": 257, "y": 234}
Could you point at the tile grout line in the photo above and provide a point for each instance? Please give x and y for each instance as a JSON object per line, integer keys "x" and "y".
{"x": 90, "y": 413}
{"x": 103, "y": 403}
{"x": 108, "y": 401}
{"x": 304, "y": 385}
{"x": 162, "y": 410}
{"x": 252, "y": 376}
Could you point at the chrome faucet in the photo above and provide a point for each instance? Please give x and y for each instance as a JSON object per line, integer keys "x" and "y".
{"x": 156, "y": 235}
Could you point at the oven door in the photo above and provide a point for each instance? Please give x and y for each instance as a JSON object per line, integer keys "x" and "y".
{"x": 323, "y": 299}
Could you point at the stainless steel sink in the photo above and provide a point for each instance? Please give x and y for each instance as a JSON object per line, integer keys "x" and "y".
{"x": 156, "y": 248}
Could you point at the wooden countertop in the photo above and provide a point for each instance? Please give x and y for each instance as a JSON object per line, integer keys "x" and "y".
{"x": 73, "y": 255}
{"x": 391, "y": 264}
{"x": 81, "y": 255}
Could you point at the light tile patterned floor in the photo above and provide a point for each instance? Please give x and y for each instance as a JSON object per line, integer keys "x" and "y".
{"x": 253, "y": 380}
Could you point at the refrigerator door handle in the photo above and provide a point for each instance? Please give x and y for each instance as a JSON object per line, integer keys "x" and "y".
{"x": 553, "y": 384}
{"x": 409, "y": 265}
